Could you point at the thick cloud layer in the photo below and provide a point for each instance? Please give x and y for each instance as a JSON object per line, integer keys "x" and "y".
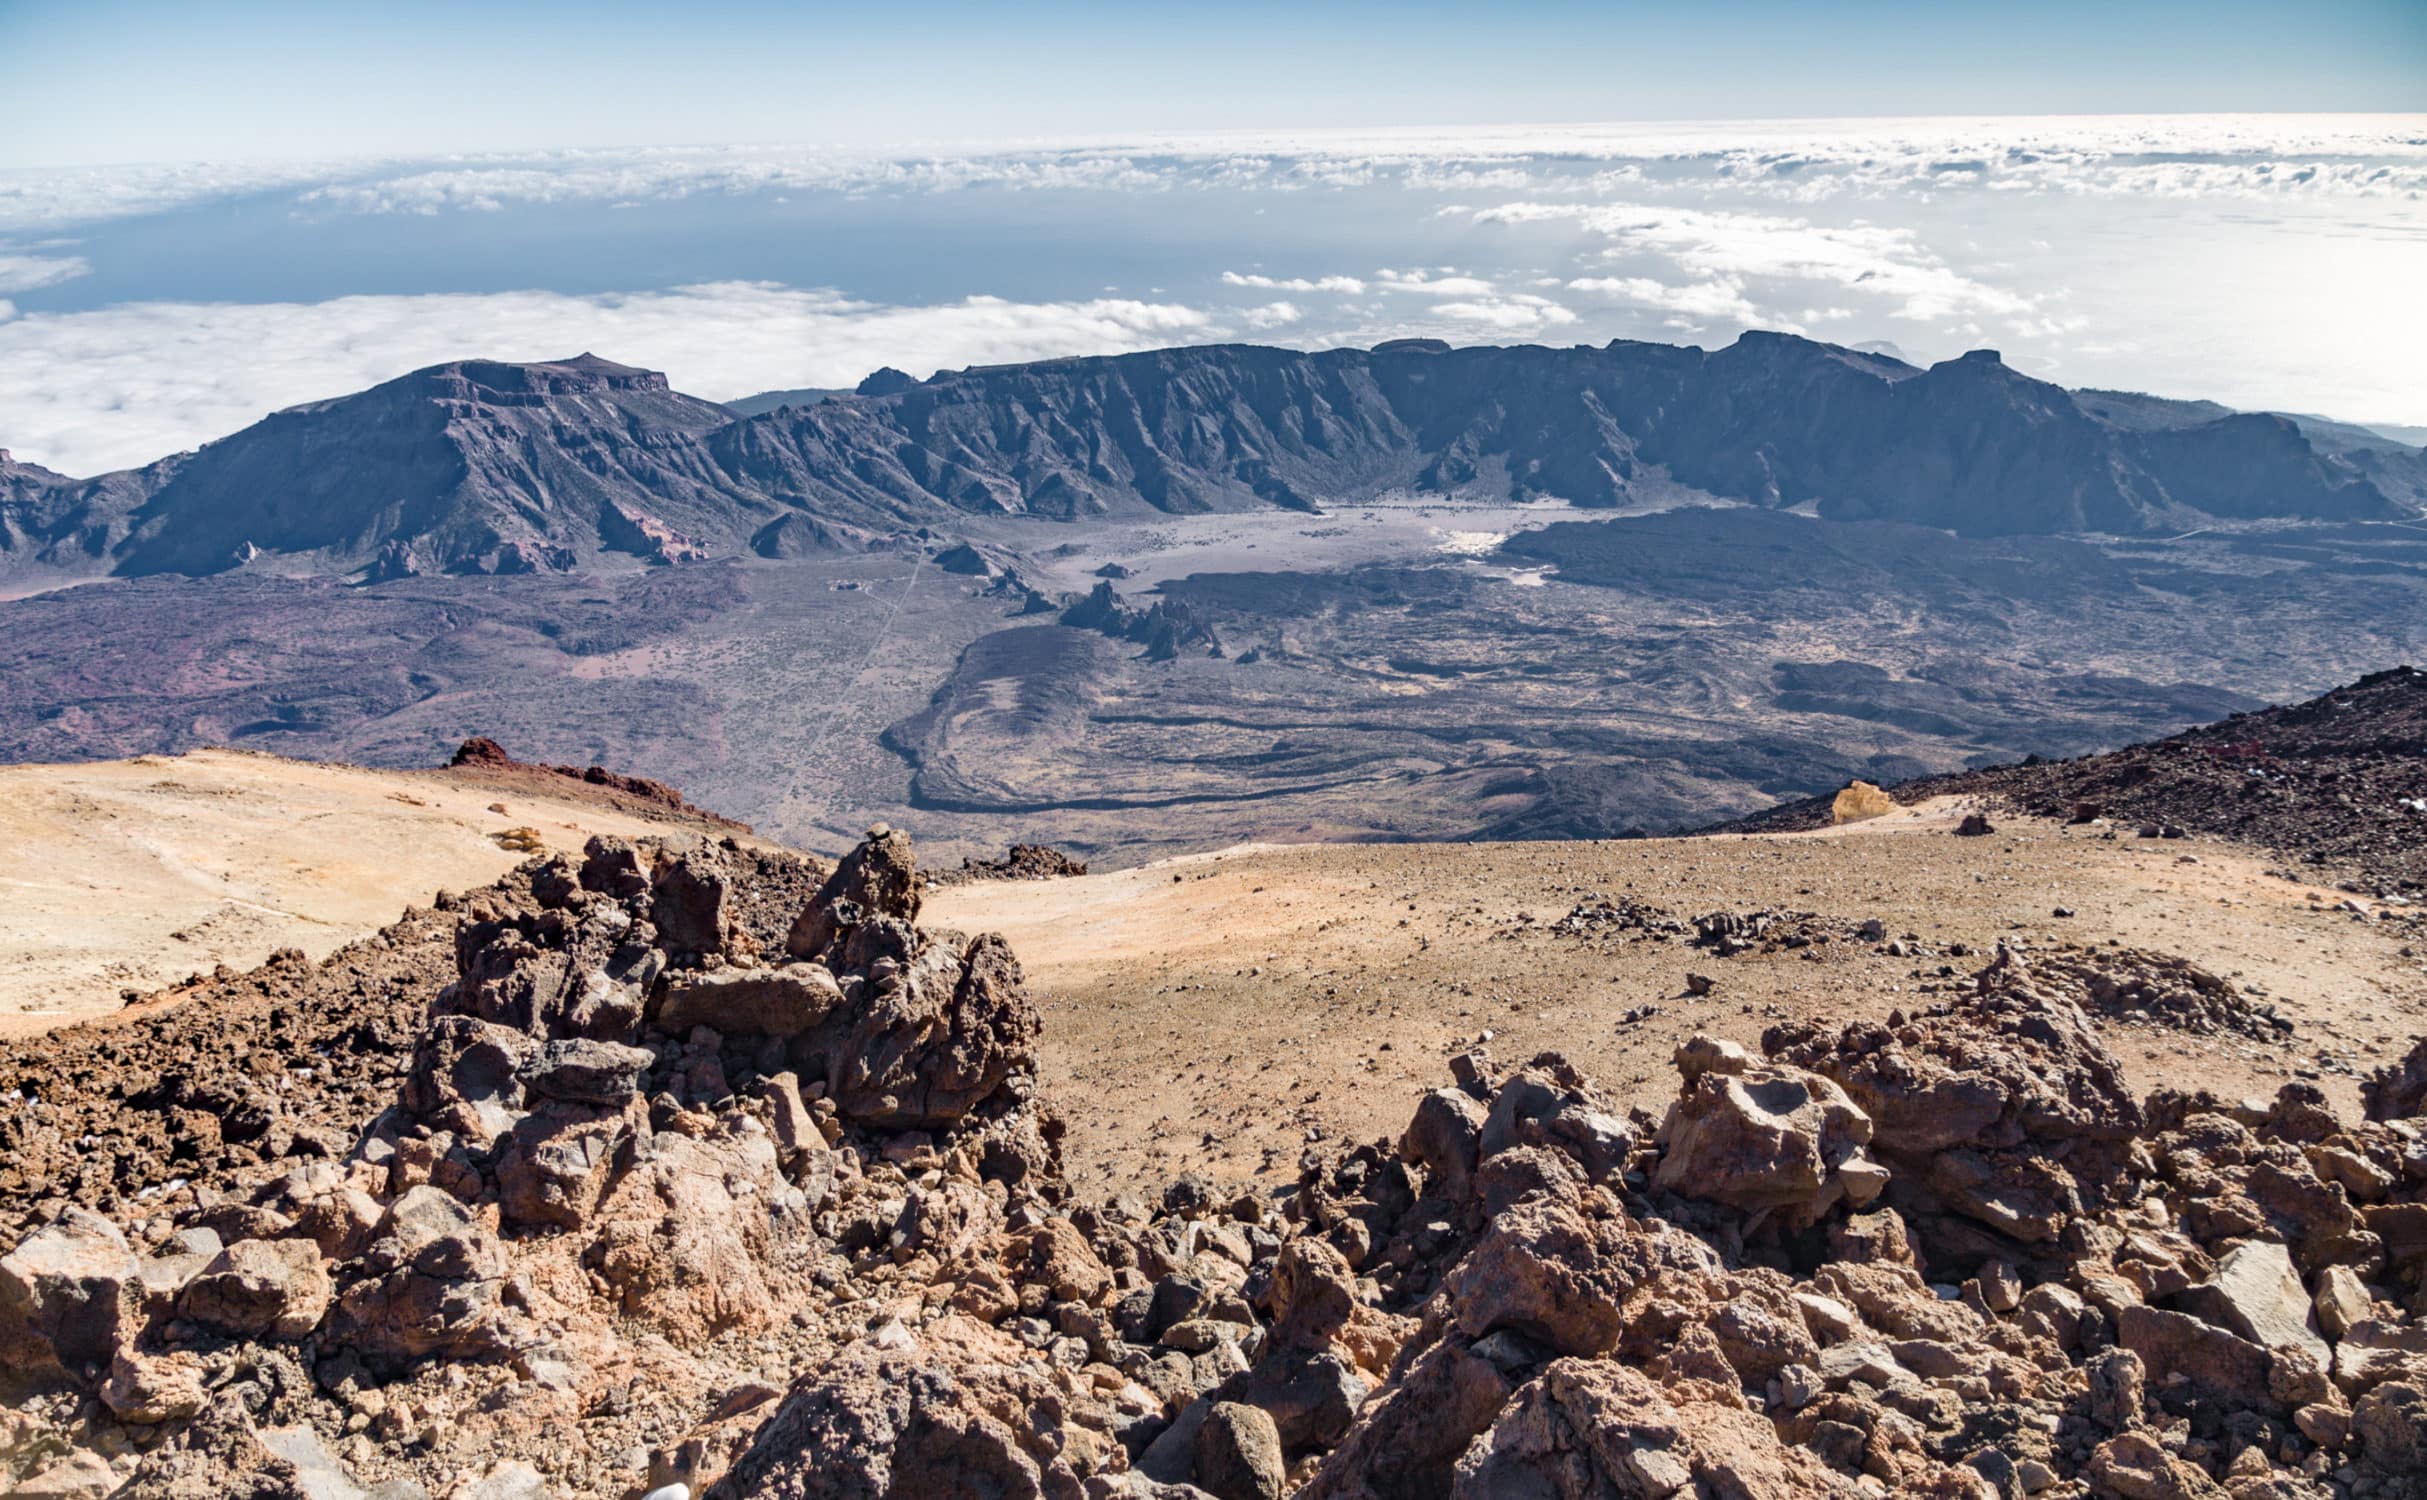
{"x": 123, "y": 385}
{"x": 2265, "y": 261}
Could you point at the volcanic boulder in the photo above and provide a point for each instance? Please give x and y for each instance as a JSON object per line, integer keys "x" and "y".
{"x": 2002, "y": 1106}
{"x": 1767, "y": 1139}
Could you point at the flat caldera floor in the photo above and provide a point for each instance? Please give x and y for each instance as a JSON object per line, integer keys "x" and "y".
{"x": 1216, "y": 1012}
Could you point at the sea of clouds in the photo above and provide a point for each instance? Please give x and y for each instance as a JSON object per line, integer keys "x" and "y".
{"x": 2264, "y": 261}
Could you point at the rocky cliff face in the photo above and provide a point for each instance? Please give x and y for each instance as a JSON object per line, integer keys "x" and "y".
{"x": 1968, "y": 445}
{"x": 487, "y": 467}
{"x": 67, "y": 528}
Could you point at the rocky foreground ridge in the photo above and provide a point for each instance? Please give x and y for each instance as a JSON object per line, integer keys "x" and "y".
{"x": 679, "y": 1198}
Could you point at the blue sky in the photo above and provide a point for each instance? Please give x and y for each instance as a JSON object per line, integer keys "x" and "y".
{"x": 211, "y": 212}
{"x": 111, "y": 81}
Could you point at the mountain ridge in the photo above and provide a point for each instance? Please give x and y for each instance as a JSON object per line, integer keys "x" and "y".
{"x": 483, "y": 466}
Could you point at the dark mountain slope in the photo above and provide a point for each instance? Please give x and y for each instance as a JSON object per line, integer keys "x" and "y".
{"x": 468, "y": 467}
{"x": 62, "y": 528}
{"x": 2158, "y": 413}
{"x": 487, "y": 467}
{"x": 1968, "y": 445}
{"x": 2340, "y": 780}
{"x": 1186, "y": 430}
{"x": 2396, "y": 467}
{"x": 21, "y": 482}
{"x": 30, "y": 498}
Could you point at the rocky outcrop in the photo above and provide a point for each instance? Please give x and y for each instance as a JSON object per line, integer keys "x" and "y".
{"x": 486, "y": 758}
{"x": 604, "y": 1137}
{"x": 2003, "y": 1107}
{"x": 1020, "y": 862}
{"x": 1166, "y": 628}
{"x": 880, "y": 878}
{"x": 659, "y": 1214}
{"x": 1764, "y": 1138}
{"x": 2398, "y": 1090}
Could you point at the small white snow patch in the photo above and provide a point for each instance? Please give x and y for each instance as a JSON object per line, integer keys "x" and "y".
{"x": 1468, "y": 543}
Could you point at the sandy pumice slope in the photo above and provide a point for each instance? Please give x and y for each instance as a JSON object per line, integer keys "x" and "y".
{"x": 130, "y": 875}
{"x": 1207, "y": 1013}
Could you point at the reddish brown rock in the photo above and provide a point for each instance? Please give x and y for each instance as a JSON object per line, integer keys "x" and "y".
{"x": 879, "y": 878}
{"x": 271, "y": 1289}
{"x": 1586, "y": 1429}
{"x": 933, "y": 1040}
{"x": 2002, "y": 1106}
{"x": 2226, "y": 1366}
{"x": 149, "y": 1389}
{"x": 783, "y": 1001}
{"x": 70, "y": 1294}
{"x": 1770, "y": 1140}
{"x": 434, "y": 1281}
{"x": 2135, "y": 1467}
{"x": 957, "y": 1409}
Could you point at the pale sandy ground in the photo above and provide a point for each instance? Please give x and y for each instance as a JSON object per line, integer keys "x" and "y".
{"x": 134, "y": 874}
{"x": 1206, "y": 1012}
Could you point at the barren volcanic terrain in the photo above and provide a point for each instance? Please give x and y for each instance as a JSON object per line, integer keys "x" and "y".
{"x": 1951, "y": 1152}
{"x": 1208, "y": 1012}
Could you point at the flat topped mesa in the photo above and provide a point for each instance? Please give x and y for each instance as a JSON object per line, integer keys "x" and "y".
{"x": 582, "y": 373}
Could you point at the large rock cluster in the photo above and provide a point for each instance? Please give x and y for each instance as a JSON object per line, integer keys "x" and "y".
{"x": 670, "y": 1208}
{"x": 632, "y": 1130}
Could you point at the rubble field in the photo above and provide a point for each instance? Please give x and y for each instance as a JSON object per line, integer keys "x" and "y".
{"x": 708, "y": 1171}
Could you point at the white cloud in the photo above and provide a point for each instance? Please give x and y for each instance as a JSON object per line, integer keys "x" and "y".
{"x": 1347, "y": 286}
{"x": 2216, "y": 179}
{"x": 48, "y": 196}
{"x": 1507, "y": 314}
{"x": 1447, "y": 284}
{"x": 1438, "y": 177}
{"x": 25, "y": 273}
{"x": 119, "y": 386}
{"x": 1723, "y": 298}
{"x": 2350, "y": 156}
{"x": 1878, "y": 260}
{"x": 1272, "y": 315}
{"x": 645, "y": 176}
